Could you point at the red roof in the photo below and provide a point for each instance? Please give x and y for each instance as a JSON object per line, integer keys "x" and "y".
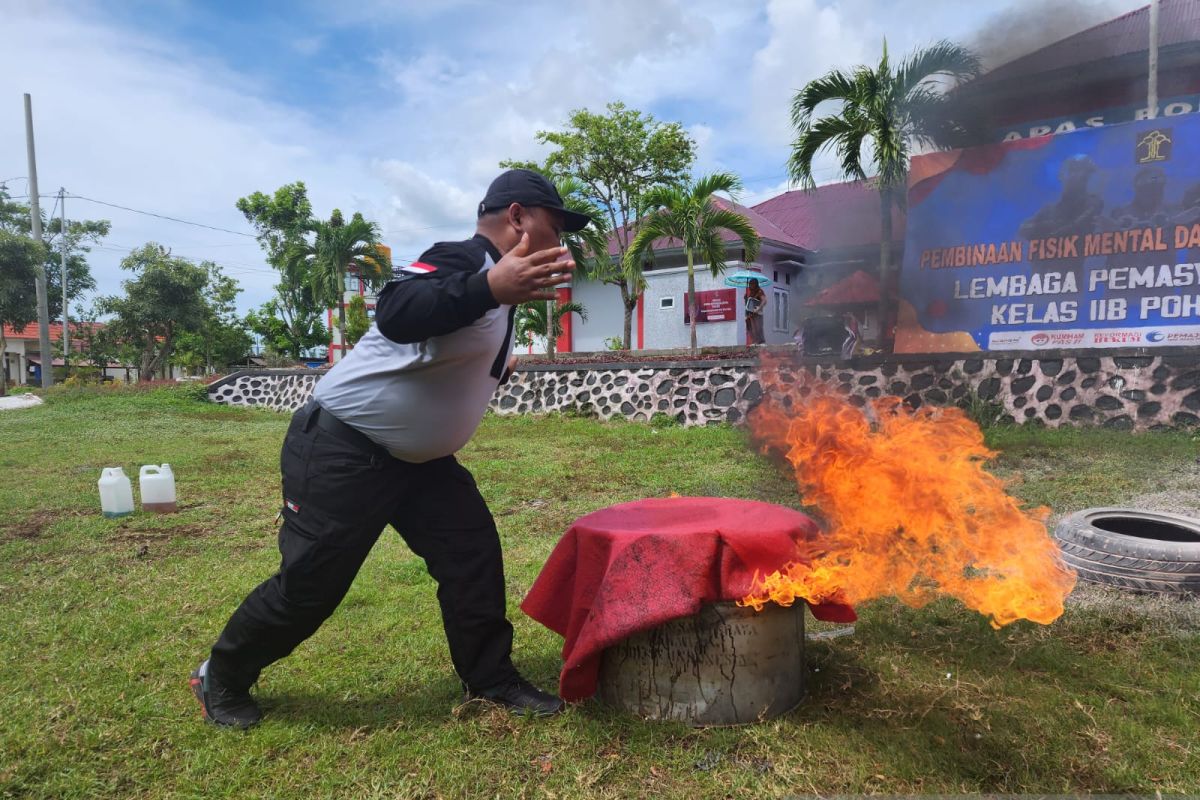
{"x": 859, "y": 288}
{"x": 1178, "y": 23}
{"x": 765, "y": 228}
{"x": 30, "y": 331}
{"x": 834, "y": 215}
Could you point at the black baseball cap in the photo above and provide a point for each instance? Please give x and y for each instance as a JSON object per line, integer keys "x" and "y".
{"x": 530, "y": 189}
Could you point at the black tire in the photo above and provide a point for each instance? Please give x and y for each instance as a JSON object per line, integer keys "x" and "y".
{"x": 1143, "y": 551}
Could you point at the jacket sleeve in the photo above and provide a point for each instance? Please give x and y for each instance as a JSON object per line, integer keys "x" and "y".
{"x": 440, "y": 293}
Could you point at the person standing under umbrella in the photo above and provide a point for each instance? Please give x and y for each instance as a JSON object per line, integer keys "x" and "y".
{"x": 756, "y": 301}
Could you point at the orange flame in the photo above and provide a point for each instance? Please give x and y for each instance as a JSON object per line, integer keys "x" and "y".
{"x": 911, "y": 511}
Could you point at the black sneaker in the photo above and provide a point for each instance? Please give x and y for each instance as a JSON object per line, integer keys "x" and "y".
{"x": 223, "y": 706}
{"x": 521, "y": 697}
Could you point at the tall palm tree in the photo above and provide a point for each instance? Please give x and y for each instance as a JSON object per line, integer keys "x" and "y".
{"x": 687, "y": 212}
{"x": 338, "y": 247}
{"x": 891, "y": 109}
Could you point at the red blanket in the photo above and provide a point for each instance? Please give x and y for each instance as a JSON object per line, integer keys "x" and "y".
{"x": 634, "y": 566}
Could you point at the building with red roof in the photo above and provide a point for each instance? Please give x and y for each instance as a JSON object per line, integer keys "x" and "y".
{"x": 659, "y": 319}
{"x": 21, "y": 358}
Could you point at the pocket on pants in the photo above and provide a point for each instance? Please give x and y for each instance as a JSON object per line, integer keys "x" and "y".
{"x": 293, "y": 467}
{"x": 342, "y": 481}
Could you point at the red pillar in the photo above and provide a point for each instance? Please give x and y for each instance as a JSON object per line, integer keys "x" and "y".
{"x": 563, "y": 345}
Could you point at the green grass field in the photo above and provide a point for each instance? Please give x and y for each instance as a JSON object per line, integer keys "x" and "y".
{"x": 101, "y": 621}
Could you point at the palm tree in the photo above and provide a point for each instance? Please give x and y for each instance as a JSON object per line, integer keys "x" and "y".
{"x": 687, "y": 212}
{"x": 337, "y": 248}
{"x": 892, "y": 109}
{"x": 530, "y": 320}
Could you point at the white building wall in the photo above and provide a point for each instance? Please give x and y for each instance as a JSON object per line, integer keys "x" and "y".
{"x": 14, "y": 355}
{"x": 606, "y": 318}
{"x": 665, "y": 327}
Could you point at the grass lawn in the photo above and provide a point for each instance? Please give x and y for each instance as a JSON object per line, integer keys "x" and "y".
{"x": 101, "y": 621}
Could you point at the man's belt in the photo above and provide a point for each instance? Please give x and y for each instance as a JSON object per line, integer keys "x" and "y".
{"x": 340, "y": 430}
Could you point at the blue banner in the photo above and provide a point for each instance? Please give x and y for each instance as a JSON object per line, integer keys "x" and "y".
{"x": 1084, "y": 239}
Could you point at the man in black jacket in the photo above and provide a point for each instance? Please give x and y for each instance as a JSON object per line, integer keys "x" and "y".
{"x": 375, "y": 446}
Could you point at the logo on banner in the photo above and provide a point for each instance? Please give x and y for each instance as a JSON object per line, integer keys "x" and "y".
{"x": 1116, "y": 337}
{"x": 1154, "y": 145}
{"x": 1155, "y": 336}
{"x": 1040, "y": 339}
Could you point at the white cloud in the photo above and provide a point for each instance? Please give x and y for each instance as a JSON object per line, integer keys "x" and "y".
{"x": 754, "y": 196}
{"x": 806, "y": 41}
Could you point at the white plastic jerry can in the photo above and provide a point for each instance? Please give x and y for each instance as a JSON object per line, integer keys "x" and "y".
{"x": 116, "y": 492}
{"x": 157, "y": 484}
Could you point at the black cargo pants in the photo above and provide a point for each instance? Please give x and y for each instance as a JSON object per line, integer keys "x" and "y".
{"x": 339, "y": 492}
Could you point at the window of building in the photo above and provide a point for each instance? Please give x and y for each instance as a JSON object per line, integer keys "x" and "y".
{"x": 352, "y": 282}
{"x": 666, "y": 302}
{"x": 781, "y": 309}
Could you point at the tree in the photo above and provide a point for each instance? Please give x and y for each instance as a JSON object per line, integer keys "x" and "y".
{"x": 339, "y": 247}
{"x": 163, "y": 300}
{"x": 617, "y": 157}
{"x": 81, "y": 236}
{"x": 19, "y": 259}
{"x": 687, "y": 212}
{"x": 279, "y": 338}
{"x": 96, "y": 343}
{"x": 221, "y": 339}
{"x": 291, "y": 323}
{"x": 357, "y": 321}
{"x": 892, "y": 109}
{"x": 530, "y": 320}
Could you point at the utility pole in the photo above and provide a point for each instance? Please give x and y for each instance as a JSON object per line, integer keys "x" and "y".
{"x": 1152, "y": 93}
{"x": 35, "y": 221}
{"x": 66, "y": 336}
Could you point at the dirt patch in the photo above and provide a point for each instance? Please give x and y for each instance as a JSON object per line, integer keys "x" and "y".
{"x": 32, "y": 526}
{"x": 141, "y": 534}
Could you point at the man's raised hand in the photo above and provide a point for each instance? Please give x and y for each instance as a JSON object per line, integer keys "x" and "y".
{"x": 521, "y": 276}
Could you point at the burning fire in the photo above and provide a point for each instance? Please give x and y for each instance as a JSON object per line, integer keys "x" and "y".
{"x": 910, "y": 511}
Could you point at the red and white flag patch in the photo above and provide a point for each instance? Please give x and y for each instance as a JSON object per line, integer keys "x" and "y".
{"x": 293, "y": 506}
{"x": 418, "y": 268}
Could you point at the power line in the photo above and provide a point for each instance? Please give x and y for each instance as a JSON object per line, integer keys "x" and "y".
{"x": 232, "y": 268}
{"x": 162, "y": 216}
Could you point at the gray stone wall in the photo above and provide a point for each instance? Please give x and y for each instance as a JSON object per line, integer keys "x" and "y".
{"x": 276, "y": 389}
{"x": 697, "y": 393}
{"x": 1133, "y": 391}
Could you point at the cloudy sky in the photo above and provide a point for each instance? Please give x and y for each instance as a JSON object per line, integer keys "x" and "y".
{"x": 402, "y": 109}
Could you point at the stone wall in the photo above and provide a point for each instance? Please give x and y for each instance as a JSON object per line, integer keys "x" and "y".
{"x": 697, "y": 393}
{"x": 1127, "y": 391}
{"x": 276, "y": 389}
